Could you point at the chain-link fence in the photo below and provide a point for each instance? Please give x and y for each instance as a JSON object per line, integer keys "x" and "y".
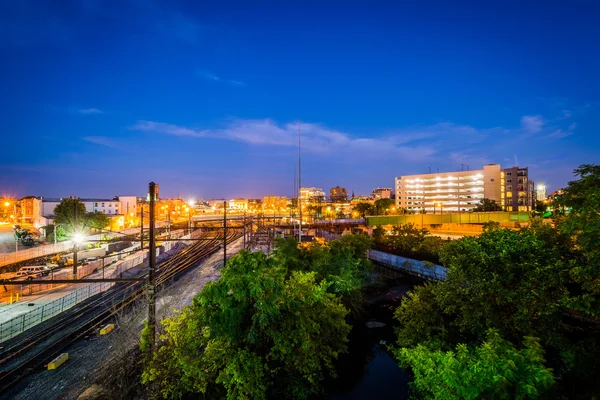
{"x": 25, "y": 321}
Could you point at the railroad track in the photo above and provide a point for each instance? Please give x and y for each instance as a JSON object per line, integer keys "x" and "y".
{"x": 37, "y": 349}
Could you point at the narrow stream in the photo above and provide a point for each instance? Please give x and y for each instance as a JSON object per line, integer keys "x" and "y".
{"x": 369, "y": 370}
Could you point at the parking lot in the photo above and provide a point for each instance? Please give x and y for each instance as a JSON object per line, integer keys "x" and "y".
{"x": 7, "y": 239}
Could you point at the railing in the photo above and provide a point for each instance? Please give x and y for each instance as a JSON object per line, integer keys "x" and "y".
{"x": 38, "y": 315}
{"x": 415, "y": 267}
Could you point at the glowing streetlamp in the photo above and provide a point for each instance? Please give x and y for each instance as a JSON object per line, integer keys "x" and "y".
{"x": 77, "y": 238}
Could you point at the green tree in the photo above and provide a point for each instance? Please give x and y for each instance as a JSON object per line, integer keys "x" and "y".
{"x": 495, "y": 369}
{"x": 65, "y": 213}
{"x": 520, "y": 283}
{"x": 252, "y": 334}
{"x": 384, "y": 206}
{"x": 97, "y": 220}
{"x": 486, "y": 204}
{"x": 582, "y": 223}
{"x": 364, "y": 209}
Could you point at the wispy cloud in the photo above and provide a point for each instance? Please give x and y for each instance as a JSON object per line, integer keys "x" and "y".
{"x": 89, "y": 111}
{"x": 532, "y": 123}
{"x": 563, "y": 133}
{"x": 169, "y": 129}
{"x": 101, "y": 140}
{"x": 408, "y": 144}
{"x": 212, "y": 77}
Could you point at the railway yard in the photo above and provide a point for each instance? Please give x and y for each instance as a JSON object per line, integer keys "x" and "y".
{"x": 180, "y": 274}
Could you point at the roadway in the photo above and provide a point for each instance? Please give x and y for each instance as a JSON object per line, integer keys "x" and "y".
{"x": 7, "y": 238}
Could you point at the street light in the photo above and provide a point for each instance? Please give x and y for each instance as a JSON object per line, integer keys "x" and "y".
{"x": 77, "y": 239}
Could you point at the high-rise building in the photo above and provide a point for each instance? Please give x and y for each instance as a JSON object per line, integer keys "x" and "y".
{"x": 448, "y": 191}
{"x": 540, "y": 192}
{"x": 382, "y": 193}
{"x": 338, "y": 194}
{"x": 517, "y": 190}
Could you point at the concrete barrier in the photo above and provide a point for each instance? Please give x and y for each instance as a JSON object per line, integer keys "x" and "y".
{"x": 58, "y": 361}
{"x": 107, "y": 329}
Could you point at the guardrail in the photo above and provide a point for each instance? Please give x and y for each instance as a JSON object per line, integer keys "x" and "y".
{"x": 422, "y": 269}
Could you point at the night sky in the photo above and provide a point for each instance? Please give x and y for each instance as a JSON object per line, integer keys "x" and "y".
{"x": 100, "y": 97}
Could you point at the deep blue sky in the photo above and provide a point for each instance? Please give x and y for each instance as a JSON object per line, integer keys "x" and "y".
{"x": 100, "y": 97}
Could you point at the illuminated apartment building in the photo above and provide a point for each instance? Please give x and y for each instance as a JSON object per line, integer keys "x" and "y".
{"x": 448, "y": 191}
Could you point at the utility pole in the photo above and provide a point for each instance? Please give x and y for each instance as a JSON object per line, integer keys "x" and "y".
{"x": 151, "y": 268}
{"x": 224, "y": 233}
{"x": 142, "y": 228}
{"x": 299, "y": 186}
{"x": 75, "y": 228}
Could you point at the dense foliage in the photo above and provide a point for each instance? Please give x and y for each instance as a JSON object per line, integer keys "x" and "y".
{"x": 268, "y": 328}
{"x": 487, "y": 205}
{"x": 407, "y": 240}
{"x": 496, "y": 369}
{"x": 536, "y": 285}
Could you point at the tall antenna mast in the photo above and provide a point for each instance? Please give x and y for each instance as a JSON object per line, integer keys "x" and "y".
{"x": 299, "y": 186}
{"x": 294, "y": 197}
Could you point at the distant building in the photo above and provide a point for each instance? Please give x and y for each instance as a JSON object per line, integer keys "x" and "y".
{"x": 29, "y": 209}
{"x": 540, "y": 192}
{"x": 275, "y": 203}
{"x": 238, "y": 204}
{"x": 454, "y": 191}
{"x": 312, "y": 195}
{"x": 338, "y": 194}
{"x": 216, "y": 203}
{"x": 517, "y": 190}
{"x": 254, "y": 204}
{"x": 382, "y": 193}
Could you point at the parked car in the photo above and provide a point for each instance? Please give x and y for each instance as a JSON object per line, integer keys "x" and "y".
{"x": 40, "y": 270}
{"x": 24, "y": 275}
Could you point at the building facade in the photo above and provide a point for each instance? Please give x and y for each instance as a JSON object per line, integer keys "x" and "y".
{"x": 382, "y": 193}
{"x": 540, "y": 192}
{"x": 448, "y": 191}
{"x": 274, "y": 203}
{"x": 312, "y": 195}
{"x": 30, "y": 209}
{"x": 517, "y": 190}
{"x": 238, "y": 204}
{"x": 338, "y": 194}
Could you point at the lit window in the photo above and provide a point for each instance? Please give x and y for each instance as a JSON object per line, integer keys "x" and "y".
{"x": 508, "y": 194}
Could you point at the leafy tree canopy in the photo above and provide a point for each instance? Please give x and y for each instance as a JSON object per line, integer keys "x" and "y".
{"x": 493, "y": 370}
{"x": 486, "y": 204}
{"x": 364, "y": 209}
{"x": 519, "y": 283}
{"x": 268, "y": 328}
{"x": 384, "y": 206}
{"x": 65, "y": 213}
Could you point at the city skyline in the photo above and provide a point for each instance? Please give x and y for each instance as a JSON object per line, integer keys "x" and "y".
{"x": 101, "y": 99}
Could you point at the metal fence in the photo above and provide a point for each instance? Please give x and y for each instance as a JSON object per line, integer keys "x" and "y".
{"x": 415, "y": 267}
{"x": 29, "y": 319}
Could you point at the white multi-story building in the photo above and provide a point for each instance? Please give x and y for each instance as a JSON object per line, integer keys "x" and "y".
{"x": 105, "y": 206}
{"x": 311, "y": 194}
{"x": 448, "y": 191}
